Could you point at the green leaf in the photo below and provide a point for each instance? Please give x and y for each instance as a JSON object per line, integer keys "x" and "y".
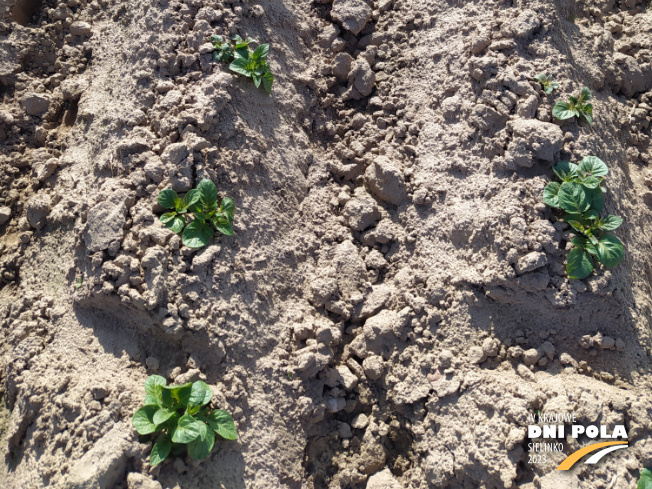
{"x": 610, "y": 222}
{"x": 191, "y": 197}
{"x": 241, "y": 53}
{"x": 195, "y": 208}
{"x": 160, "y": 451}
{"x": 563, "y": 111}
{"x": 151, "y": 400}
{"x": 587, "y": 113}
{"x": 167, "y": 217}
{"x": 228, "y": 207}
{"x": 240, "y": 43}
{"x": 143, "y": 420}
{"x": 268, "y": 81}
{"x": 223, "y": 226}
{"x": 585, "y": 94}
{"x": 550, "y": 194}
{"x": 153, "y": 385}
{"x": 240, "y": 66}
{"x": 546, "y": 83}
{"x": 591, "y": 214}
{"x": 200, "y": 394}
{"x": 178, "y": 393}
{"x": 592, "y": 165}
{"x": 224, "y": 53}
{"x": 579, "y": 264}
{"x": 207, "y": 191}
{"x": 197, "y": 234}
{"x": 260, "y": 52}
{"x": 596, "y": 197}
{"x": 565, "y": 170}
{"x": 577, "y": 217}
{"x": 590, "y": 247}
{"x": 162, "y": 415}
{"x": 257, "y": 80}
{"x": 222, "y": 422}
{"x": 578, "y": 222}
{"x": 179, "y": 206}
{"x": 167, "y": 198}
{"x": 609, "y": 250}
{"x": 645, "y": 481}
{"x": 177, "y": 224}
{"x": 171, "y": 424}
{"x": 573, "y": 198}
{"x": 591, "y": 182}
{"x": 187, "y": 429}
{"x": 579, "y": 241}
{"x": 173, "y": 221}
{"x": 576, "y": 225}
{"x": 201, "y": 447}
{"x": 211, "y": 208}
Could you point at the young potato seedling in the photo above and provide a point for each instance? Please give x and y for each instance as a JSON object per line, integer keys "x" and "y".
{"x": 202, "y": 203}
{"x": 546, "y": 83}
{"x": 645, "y": 481}
{"x": 575, "y": 107}
{"x": 179, "y": 416}
{"x": 581, "y": 196}
{"x": 252, "y": 64}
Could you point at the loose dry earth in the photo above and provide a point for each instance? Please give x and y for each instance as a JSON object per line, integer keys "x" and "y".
{"x": 393, "y": 304}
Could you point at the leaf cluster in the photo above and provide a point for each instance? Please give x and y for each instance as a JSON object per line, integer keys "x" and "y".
{"x": 202, "y": 203}
{"x": 575, "y": 107}
{"x": 546, "y": 83}
{"x": 181, "y": 417}
{"x": 252, "y": 64}
{"x": 581, "y": 195}
{"x": 645, "y": 482}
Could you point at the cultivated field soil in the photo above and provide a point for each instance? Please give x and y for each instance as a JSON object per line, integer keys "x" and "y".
{"x": 394, "y": 303}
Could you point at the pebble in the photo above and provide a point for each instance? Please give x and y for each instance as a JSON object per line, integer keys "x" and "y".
{"x": 373, "y": 367}
{"x": 152, "y": 363}
{"x": 491, "y": 347}
{"x": 531, "y": 356}
{"x": 360, "y": 422}
{"x": 179, "y": 466}
{"x": 81, "y": 29}
{"x": 475, "y": 355}
{"x": 5, "y": 215}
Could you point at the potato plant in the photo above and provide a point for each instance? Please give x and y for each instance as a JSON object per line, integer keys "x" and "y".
{"x": 581, "y": 195}
{"x": 252, "y": 64}
{"x": 179, "y": 416}
{"x": 546, "y": 82}
{"x": 645, "y": 481}
{"x": 575, "y": 107}
{"x": 202, "y": 203}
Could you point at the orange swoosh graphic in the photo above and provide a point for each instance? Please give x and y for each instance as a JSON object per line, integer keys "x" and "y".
{"x": 575, "y": 456}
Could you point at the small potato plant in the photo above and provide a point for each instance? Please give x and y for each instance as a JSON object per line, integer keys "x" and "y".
{"x": 178, "y": 416}
{"x": 581, "y": 196}
{"x": 575, "y": 107}
{"x": 645, "y": 481}
{"x": 252, "y": 64}
{"x": 207, "y": 210}
{"x": 546, "y": 82}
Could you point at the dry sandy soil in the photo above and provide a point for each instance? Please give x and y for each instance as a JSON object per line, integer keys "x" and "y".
{"x": 393, "y": 304}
